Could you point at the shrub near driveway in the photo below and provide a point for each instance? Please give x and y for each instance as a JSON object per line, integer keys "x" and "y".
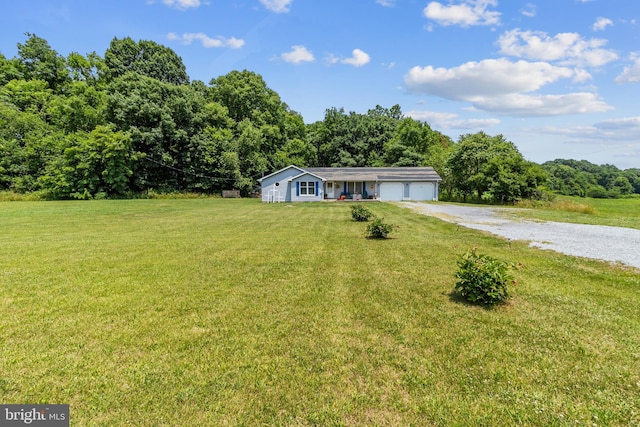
{"x": 232, "y": 312}
{"x": 482, "y": 279}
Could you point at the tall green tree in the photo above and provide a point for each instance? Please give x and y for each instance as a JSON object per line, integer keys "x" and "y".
{"x": 39, "y": 61}
{"x": 82, "y": 108}
{"x": 265, "y": 126}
{"x": 95, "y": 164}
{"x": 354, "y": 139}
{"x": 27, "y": 144}
{"x": 492, "y": 167}
{"x": 89, "y": 69}
{"x": 10, "y": 69}
{"x": 145, "y": 57}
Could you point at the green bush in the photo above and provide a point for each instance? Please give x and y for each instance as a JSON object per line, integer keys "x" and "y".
{"x": 482, "y": 279}
{"x": 378, "y": 229}
{"x": 360, "y": 213}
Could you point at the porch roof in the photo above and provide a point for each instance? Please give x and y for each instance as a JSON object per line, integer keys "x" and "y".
{"x": 376, "y": 174}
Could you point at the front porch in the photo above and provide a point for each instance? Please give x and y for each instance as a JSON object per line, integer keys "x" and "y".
{"x": 350, "y": 190}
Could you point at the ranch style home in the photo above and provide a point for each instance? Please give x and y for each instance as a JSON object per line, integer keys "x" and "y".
{"x": 296, "y": 184}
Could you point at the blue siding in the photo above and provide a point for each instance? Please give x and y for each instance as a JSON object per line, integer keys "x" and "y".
{"x": 315, "y": 189}
{"x": 277, "y": 187}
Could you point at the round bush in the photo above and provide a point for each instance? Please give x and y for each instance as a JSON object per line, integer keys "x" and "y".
{"x": 482, "y": 279}
{"x": 378, "y": 229}
{"x": 360, "y": 213}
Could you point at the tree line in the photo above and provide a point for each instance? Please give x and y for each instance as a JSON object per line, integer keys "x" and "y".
{"x": 132, "y": 121}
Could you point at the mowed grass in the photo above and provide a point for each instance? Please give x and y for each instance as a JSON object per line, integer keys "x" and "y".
{"x": 233, "y": 312}
{"x": 580, "y": 210}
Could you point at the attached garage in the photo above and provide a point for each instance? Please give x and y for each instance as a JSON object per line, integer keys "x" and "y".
{"x": 422, "y": 191}
{"x": 391, "y": 191}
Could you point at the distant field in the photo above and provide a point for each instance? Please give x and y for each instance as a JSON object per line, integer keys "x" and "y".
{"x": 613, "y": 212}
{"x": 233, "y": 312}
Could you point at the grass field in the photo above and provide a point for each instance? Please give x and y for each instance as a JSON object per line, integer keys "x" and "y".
{"x": 613, "y": 212}
{"x": 233, "y": 312}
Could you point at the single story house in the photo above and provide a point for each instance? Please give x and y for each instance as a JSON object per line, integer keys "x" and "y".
{"x": 296, "y": 184}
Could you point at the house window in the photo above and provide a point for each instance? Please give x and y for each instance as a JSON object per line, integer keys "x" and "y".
{"x": 307, "y": 188}
{"x": 354, "y": 187}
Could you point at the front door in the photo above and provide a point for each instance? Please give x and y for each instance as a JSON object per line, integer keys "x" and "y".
{"x": 330, "y": 190}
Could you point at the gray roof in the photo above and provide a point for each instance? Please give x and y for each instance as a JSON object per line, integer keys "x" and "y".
{"x": 377, "y": 174}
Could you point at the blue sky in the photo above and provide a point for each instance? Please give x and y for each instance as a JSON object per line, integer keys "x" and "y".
{"x": 559, "y": 78}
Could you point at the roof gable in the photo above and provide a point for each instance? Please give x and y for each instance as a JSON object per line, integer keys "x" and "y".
{"x": 280, "y": 171}
{"x": 307, "y": 173}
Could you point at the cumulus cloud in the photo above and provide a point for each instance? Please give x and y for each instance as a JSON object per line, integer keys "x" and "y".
{"x": 631, "y": 73}
{"x": 601, "y": 24}
{"x": 278, "y": 6}
{"x": 566, "y": 48}
{"x": 504, "y": 87}
{"x": 465, "y": 13}
{"x": 450, "y": 120}
{"x": 358, "y": 58}
{"x": 490, "y": 77}
{"x": 297, "y": 55}
{"x": 207, "y": 42}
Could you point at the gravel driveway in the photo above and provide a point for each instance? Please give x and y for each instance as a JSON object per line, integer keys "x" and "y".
{"x": 602, "y": 242}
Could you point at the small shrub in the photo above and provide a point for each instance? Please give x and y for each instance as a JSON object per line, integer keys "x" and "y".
{"x": 482, "y": 279}
{"x": 360, "y": 213}
{"x": 378, "y": 229}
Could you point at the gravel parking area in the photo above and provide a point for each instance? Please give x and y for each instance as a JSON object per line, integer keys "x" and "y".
{"x": 615, "y": 244}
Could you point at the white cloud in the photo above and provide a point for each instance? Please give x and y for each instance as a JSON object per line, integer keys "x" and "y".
{"x": 621, "y": 130}
{"x": 504, "y": 87}
{"x": 450, "y": 120}
{"x": 207, "y": 42}
{"x": 466, "y": 13}
{"x": 566, "y": 48}
{"x": 386, "y": 3}
{"x": 331, "y": 59}
{"x": 631, "y": 73}
{"x": 358, "y": 58}
{"x": 297, "y": 55}
{"x": 520, "y": 105}
{"x": 178, "y": 4}
{"x": 622, "y": 124}
{"x": 490, "y": 77}
{"x": 601, "y": 24}
{"x": 278, "y": 6}
{"x": 529, "y": 10}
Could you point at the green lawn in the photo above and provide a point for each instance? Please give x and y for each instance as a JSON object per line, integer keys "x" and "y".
{"x": 233, "y": 312}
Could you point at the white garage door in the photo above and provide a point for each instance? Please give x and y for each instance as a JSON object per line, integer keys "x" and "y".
{"x": 421, "y": 190}
{"x": 391, "y": 191}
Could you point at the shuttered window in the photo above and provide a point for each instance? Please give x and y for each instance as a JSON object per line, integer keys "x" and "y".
{"x": 307, "y": 188}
